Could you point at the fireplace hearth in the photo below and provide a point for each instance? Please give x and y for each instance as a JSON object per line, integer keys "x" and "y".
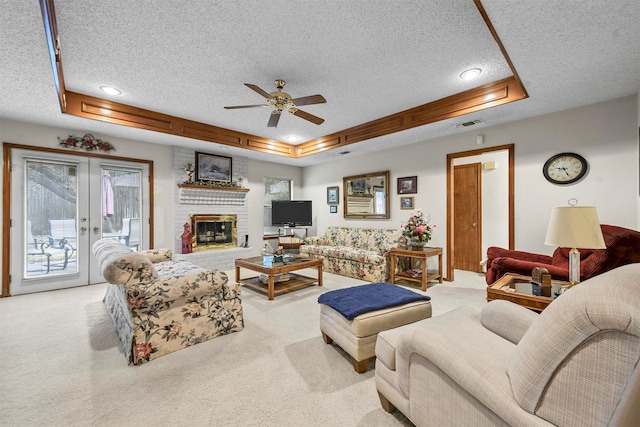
{"x": 212, "y": 232}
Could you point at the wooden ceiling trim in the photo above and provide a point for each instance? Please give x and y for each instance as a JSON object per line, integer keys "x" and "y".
{"x": 113, "y": 112}
{"x": 204, "y": 132}
{"x": 504, "y": 91}
{"x": 462, "y": 103}
{"x": 500, "y": 92}
{"x": 53, "y": 44}
{"x": 318, "y": 145}
{"x": 380, "y": 127}
{"x": 95, "y": 108}
{"x": 271, "y": 146}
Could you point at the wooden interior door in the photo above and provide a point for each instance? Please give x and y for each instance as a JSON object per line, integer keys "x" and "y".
{"x": 467, "y": 211}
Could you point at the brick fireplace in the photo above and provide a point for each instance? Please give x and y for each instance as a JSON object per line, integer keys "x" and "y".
{"x": 217, "y": 248}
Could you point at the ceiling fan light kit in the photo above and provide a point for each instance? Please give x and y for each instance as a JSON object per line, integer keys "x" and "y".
{"x": 282, "y": 101}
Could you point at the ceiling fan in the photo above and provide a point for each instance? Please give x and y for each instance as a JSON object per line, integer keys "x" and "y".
{"x": 282, "y": 101}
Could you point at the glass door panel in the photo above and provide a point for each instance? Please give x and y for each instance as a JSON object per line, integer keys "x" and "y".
{"x": 51, "y": 212}
{"x": 49, "y": 221}
{"x": 120, "y": 209}
{"x": 121, "y": 206}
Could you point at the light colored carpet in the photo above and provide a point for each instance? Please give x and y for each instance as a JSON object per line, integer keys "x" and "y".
{"x": 61, "y": 365}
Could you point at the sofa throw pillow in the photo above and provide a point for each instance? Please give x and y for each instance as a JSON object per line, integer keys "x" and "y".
{"x": 130, "y": 269}
{"x": 158, "y": 255}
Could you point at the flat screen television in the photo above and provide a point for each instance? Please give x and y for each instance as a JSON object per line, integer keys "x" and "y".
{"x": 291, "y": 213}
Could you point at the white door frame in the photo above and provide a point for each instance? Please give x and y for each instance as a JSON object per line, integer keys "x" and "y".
{"x": 15, "y": 245}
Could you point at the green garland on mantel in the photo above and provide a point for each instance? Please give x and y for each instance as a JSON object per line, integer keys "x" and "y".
{"x": 213, "y": 184}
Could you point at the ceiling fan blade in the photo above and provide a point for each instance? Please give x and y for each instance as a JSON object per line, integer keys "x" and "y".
{"x": 308, "y": 100}
{"x": 257, "y": 89}
{"x": 233, "y": 107}
{"x": 304, "y": 115}
{"x": 274, "y": 119}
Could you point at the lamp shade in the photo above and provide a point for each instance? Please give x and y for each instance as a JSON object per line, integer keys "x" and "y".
{"x": 575, "y": 227}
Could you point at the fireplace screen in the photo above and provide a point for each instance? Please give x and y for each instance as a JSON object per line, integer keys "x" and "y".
{"x": 214, "y": 231}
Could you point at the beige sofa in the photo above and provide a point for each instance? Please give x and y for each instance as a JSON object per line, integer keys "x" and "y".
{"x": 361, "y": 253}
{"x": 159, "y": 305}
{"x": 575, "y": 364}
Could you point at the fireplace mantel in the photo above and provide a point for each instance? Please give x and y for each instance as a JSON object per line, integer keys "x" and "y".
{"x": 204, "y": 187}
{"x": 191, "y": 194}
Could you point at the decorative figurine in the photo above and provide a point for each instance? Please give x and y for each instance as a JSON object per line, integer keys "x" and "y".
{"x": 187, "y": 239}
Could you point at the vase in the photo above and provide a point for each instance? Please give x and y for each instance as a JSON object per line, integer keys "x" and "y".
{"x": 416, "y": 245}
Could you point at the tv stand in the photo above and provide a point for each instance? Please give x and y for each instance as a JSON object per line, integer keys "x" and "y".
{"x": 291, "y": 241}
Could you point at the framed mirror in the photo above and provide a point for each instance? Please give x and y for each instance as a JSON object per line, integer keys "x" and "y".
{"x": 366, "y": 196}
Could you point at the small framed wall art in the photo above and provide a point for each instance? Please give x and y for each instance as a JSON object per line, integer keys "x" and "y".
{"x": 408, "y": 185}
{"x": 333, "y": 195}
{"x": 406, "y": 202}
{"x": 333, "y": 209}
{"x": 211, "y": 167}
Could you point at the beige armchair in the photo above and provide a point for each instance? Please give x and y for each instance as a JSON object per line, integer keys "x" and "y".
{"x": 575, "y": 364}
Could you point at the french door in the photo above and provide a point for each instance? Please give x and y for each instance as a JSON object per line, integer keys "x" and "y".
{"x": 60, "y": 205}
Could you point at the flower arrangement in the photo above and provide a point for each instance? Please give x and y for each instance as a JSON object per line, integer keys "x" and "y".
{"x": 87, "y": 142}
{"x": 188, "y": 168}
{"x": 418, "y": 229}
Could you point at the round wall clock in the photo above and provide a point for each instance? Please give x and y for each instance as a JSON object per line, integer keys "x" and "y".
{"x": 565, "y": 168}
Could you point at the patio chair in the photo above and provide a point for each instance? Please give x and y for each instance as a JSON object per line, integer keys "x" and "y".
{"x": 62, "y": 233}
{"x": 132, "y": 234}
{"x": 38, "y": 249}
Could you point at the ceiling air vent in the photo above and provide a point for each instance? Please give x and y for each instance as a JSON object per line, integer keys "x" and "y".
{"x": 342, "y": 153}
{"x": 471, "y": 123}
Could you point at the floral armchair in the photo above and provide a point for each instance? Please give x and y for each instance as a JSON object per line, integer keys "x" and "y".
{"x": 159, "y": 306}
{"x": 623, "y": 247}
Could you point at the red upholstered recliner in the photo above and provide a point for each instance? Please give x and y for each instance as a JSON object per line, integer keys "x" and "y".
{"x": 623, "y": 247}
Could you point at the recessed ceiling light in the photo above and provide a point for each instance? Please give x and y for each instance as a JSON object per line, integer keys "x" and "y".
{"x": 292, "y": 138}
{"x": 110, "y": 90}
{"x": 470, "y": 74}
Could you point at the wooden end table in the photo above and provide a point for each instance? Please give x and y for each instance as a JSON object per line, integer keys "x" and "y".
{"x": 422, "y": 255}
{"x": 264, "y": 265}
{"x": 504, "y": 288}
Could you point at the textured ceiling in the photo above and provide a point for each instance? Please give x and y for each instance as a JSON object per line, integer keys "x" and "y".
{"x": 369, "y": 59}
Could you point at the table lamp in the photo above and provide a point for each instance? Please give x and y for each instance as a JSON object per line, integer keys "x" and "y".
{"x": 574, "y": 227}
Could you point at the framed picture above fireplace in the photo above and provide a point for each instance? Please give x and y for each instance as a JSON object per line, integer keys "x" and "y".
{"x": 212, "y": 167}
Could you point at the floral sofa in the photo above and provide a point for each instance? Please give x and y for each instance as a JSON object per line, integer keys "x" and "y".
{"x": 159, "y": 305}
{"x": 361, "y": 253}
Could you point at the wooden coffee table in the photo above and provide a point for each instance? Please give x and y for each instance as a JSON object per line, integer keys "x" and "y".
{"x": 265, "y": 265}
{"x": 504, "y": 288}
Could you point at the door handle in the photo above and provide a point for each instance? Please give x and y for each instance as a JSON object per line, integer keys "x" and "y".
{"x": 96, "y": 229}
{"x": 474, "y": 225}
{"x": 83, "y": 229}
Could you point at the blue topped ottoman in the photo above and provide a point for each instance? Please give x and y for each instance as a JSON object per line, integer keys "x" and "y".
{"x": 352, "y": 317}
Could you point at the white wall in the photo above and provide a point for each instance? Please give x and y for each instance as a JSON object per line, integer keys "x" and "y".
{"x": 257, "y": 171}
{"x": 638, "y": 157}
{"x": 605, "y": 134}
